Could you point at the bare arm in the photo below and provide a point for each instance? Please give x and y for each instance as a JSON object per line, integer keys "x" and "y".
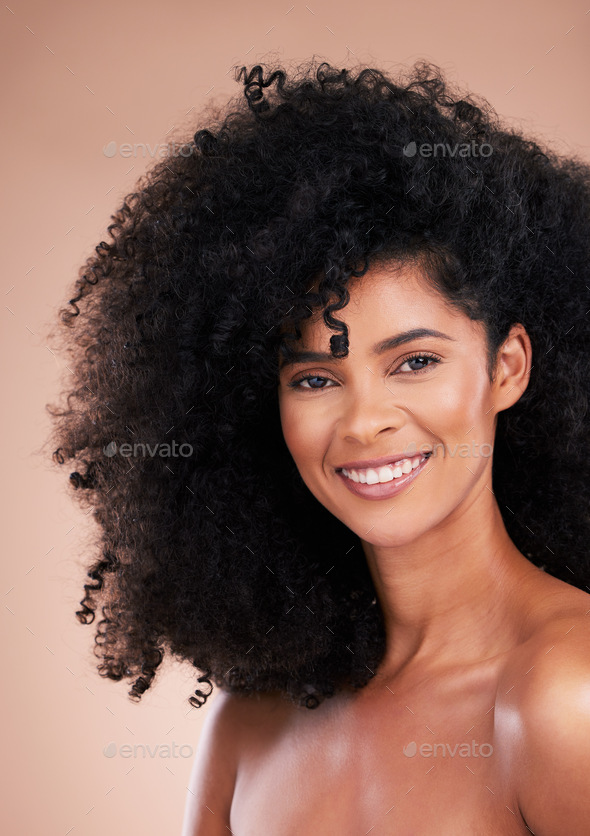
{"x": 212, "y": 780}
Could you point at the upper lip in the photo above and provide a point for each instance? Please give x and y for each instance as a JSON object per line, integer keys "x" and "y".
{"x": 374, "y": 463}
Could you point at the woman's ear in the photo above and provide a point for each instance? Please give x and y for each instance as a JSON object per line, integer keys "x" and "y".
{"x": 513, "y": 368}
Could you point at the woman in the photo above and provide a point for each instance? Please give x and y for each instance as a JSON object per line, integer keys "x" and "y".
{"x": 381, "y": 515}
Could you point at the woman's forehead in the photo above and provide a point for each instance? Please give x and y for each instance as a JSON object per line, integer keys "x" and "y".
{"x": 388, "y": 296}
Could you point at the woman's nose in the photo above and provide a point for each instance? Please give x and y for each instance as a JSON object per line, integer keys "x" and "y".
{"x": 363, "y": 416}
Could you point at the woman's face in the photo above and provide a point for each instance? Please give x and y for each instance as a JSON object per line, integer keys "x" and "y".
{"x": 428, "y": 394}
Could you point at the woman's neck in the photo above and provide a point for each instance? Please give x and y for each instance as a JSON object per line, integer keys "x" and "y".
{"x": 457, "y": 593}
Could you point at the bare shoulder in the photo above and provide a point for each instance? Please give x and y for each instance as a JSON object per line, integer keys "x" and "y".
{"x": 232, "y": 723}
{"x": 544, "y": 706}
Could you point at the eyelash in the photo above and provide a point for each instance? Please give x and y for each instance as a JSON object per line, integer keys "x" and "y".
{"x": 296, "y": 384}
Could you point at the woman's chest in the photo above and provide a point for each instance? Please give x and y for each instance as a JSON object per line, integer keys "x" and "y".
{"x": 420, "y": 763}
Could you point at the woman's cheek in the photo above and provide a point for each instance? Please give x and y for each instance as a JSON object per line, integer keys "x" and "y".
{"x": 297, "y": 426}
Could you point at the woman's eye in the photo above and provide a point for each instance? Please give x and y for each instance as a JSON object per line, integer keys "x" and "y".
{"x": 424, "y": 359}
{"x": 312, "y": 382}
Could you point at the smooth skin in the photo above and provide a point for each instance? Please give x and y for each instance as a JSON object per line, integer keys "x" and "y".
{"x": 483, "y": 650}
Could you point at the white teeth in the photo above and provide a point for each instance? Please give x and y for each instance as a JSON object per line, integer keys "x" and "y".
{"x": 373, "y": 476}
{"x": 387, "y": 473}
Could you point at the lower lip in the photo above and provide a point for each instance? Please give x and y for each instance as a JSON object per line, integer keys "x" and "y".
{"x": 382, "y": 490}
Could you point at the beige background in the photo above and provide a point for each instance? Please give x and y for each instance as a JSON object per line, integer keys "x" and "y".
{"x": 80, "y": 79}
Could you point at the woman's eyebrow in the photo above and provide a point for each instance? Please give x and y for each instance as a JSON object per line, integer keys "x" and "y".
{"x": 378, "y": 348}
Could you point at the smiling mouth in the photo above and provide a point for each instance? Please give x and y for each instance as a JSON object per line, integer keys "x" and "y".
{"x": 385, "y": 473}
{"x": 374, "y": 489}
